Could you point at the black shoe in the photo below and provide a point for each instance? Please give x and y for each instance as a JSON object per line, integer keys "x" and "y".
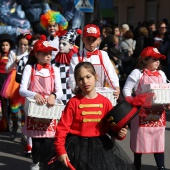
{"x": 14, "y": 132}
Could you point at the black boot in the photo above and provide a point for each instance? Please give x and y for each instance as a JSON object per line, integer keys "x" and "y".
{"x": 137, "y": 167}
{"x": 161, "y": 168}
{"x": 137, "y": 161}
{"x": 14, "y": 131}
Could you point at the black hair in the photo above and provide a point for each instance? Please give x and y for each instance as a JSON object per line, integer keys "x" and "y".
{"x": 21, "y": 36}
{"x": 6, "y": 38}
{"x": 31, "y": 58}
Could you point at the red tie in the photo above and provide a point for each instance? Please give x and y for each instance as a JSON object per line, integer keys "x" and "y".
{"x": 89, "y": 54}
{"x": 151, "y": 73}
{"x": 39, "y": 66}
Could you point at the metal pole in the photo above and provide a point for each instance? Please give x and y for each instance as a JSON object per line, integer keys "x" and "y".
{"x": 82, "y": 26}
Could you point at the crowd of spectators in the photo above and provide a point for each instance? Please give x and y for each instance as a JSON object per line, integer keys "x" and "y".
{"x": 124, "y": 44}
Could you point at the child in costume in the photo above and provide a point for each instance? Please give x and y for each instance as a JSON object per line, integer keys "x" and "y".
{"x": 81, "y": 134}
{"x": 55, "y": 24}
{"x": 99, "y": 58}
{"x": 6, "y": 46}
{"x": 41, "y": 81}
{"x": 148, "y": 127}
{"x": 11, "y": 87}
{"x": 32, "y": 39}
{"x": 66, "y": 50}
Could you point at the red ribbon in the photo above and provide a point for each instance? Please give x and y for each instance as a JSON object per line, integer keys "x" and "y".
{"x": 39, "y": 66}
{"x": 144, "y": 99}
{"x": 89, "y": 54}
{"x": 141, "y": 100}
{"x": 68, "y": 163}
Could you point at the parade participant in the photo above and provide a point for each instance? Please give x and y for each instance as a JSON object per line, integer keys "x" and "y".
{"x": 67, "y": 48}
{"x": 6, "y": 46}
{"x": 11, "y": 87}
{"x": 148, "y": 127}
{"x": 41, "y": 81}
{"x": 32, "y": 39}
{"x": 99, "y": 58}
{"x": 55, "y": 24}
{"x": 81, "y": 134}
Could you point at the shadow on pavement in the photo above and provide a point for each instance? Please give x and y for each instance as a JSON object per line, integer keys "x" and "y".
{"x": 17, "y": 164}
{"x": 150, "y": 167}
{"x": 12, "y": 153}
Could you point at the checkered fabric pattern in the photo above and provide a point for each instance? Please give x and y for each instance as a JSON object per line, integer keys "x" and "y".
{"x": 21, "y": 65}
{"x": 64, "y": 74}
{"x": 53, "y": 62}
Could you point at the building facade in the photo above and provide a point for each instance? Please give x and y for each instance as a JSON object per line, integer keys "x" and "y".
{"x": 135, "y": 11}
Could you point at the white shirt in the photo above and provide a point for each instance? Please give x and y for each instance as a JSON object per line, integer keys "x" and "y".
{"x": 25, "y": 82}
{"x": 133, "y": 81}
{"x": 95, "y": 60}
{"x": 11, "y": 60}
{"x": 54, "y": 43}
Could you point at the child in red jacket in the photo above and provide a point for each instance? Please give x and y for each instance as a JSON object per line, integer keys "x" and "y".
{"x": 81, "y": 134}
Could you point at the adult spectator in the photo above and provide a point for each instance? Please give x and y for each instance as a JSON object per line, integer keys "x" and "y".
{"x": 106, "y": 41}
{"x": 117, "y": 32}
{"x": 127, "y": 46}
{"x": 143, "y": 41}
{"x": 158, "y": 39}
{"x": 124, "y": 28}
{"x": 151, "y": 27}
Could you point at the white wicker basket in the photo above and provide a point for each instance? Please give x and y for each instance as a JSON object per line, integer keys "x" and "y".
{"x": 161, "y": 91}
{"x": 107, "y": 92}
{"x": 32, "y": 109}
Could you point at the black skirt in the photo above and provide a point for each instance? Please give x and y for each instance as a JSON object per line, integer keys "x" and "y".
{"x": 95, "y": 153}
{"x": 3, "y": 77}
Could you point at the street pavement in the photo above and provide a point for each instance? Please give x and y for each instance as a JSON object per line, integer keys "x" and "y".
{"x": 12, "y": 152}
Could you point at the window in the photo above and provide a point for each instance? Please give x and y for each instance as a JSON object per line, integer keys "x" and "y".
{"x": 151, "y": 10}
{"x": 130, "y": 15}
{"x": 115, "y": 14}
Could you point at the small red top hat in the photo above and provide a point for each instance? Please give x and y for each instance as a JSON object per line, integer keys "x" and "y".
{"x": 120, "y": 115}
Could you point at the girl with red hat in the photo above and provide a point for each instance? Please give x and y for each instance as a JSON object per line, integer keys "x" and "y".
{"x": 41, "y": 82}
{"x": 148, "y": 127}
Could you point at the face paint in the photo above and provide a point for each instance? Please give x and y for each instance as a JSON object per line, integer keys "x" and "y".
{"x": 64, "y": 46}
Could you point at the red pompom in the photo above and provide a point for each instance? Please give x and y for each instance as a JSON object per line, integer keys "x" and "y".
{"x": 28, "y": 36}
{"x": 43, "y": 37}
{"x": 79, "y": 31}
